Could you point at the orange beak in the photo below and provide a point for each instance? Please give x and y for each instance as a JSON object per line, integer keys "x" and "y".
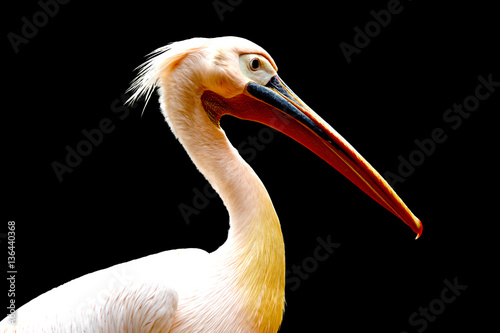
{"x": 276, "y": 106}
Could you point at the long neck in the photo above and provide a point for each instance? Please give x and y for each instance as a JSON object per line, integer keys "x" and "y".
{"x": 254, "y": 251}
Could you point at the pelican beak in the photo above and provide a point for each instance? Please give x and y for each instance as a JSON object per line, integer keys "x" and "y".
{"x": 276, "y": 106}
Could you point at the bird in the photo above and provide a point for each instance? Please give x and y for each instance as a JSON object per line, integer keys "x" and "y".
{"x": 239, "y": 287}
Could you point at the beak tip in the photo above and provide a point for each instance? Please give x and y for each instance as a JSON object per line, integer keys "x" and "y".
{"x": 419, "y": 230}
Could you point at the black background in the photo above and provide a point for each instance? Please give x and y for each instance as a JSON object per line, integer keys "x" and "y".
{"x": 122, "y": 201}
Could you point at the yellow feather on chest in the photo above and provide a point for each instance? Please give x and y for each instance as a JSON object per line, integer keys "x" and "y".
{"x": 262, "y": 273}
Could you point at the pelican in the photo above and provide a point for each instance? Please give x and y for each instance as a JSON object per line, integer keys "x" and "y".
{"x": 240, "y": 287}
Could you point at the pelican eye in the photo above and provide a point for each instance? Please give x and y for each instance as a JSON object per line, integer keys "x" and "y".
{"x": 255, "y": 64}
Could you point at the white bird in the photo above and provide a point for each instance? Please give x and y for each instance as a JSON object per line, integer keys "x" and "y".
{"x": 239, "y": 287}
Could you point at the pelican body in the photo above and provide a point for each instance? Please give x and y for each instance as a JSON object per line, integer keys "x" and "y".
{"x": 240, "y": 287}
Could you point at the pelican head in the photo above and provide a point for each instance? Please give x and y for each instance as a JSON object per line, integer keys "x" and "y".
{"x": 233, "y": 76}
